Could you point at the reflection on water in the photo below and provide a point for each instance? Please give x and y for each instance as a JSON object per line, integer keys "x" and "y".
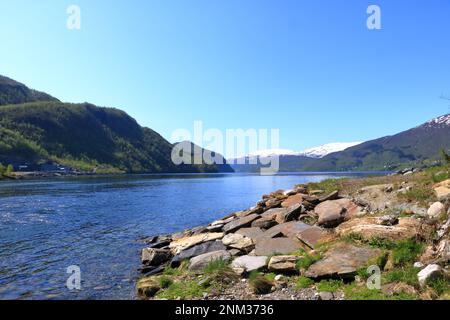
{"x": 96, "y": 223}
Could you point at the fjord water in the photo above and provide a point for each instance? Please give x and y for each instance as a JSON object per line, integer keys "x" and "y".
{"x": 98, "y": 223}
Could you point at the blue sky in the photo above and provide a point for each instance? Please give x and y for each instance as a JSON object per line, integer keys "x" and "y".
{"x": 310, "y": 68}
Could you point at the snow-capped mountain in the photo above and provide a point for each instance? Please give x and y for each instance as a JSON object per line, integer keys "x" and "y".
{"x": 316, "y": 152}
{"x": 326, "y": 149}
{"x": 442, "y": 120}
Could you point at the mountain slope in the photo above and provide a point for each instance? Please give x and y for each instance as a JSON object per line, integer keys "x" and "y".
{"x": 415, "y": 147}
{"x": 418, "y": 146}
{"x": 82, "y": 136}
{"x": 13, "y": 92}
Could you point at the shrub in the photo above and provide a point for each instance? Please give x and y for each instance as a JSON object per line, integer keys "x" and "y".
{"x": 260, "y": 285}
{"x": 330, "y": 285}
{"x": 304, "y": 282}
{"x": 165, "y": 282}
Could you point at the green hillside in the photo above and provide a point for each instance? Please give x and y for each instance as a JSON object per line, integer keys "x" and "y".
{"x": 13, "y": 92}
{"x": 85, "y": 137}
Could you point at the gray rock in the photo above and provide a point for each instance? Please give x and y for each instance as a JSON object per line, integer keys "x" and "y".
{"x": 155, "y": 257}
{"x": 435, "y": 210}
{"x": 200, "y": 262}
{"x": 431, "y": 272}
{"x": 240, "y": 223}
{"x": 267, "y": 247}
{"x": 238, "y": 241}
{"x": 249, "y": 263}
{"x": 200, "y": 249}
{"x": 283, "y": 264}
{"x": 326, "y": 295}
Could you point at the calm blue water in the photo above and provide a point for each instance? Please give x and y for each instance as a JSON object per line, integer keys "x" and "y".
{"x": 97, "y": 223}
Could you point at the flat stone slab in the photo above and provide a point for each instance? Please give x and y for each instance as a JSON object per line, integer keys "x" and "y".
{"x": 251, "y": 233}
{"x": 200, "y": 262}
{"x": 342, "y": 260}
{"x": 369, "y": 228}
{"x": 249, "y": 263}
{"x": 197, "y": 250}
{"x": 184, "y": 243}
{"x": 271, "y": 246}
{"x": 312, "y": 236}
{"x": 238, "y": 241}
{"x": 292, "y": 200}
{"x": 240, "y": 223}
{"x": 283, "y": 264}
{"x": 288, "y": 229}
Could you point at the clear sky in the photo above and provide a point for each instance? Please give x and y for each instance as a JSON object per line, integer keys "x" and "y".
{"x": 310, "y": 68}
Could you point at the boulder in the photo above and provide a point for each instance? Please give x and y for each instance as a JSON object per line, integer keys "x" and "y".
{"x": 240, "y": 223}
{"x": 200, "y": 262}
{"x": 249, "y": 263}
{"x": 292, "y": 201}
{"x": 291, "y": 213}
{"x": 251, "y": 233}
{"x": 184, "y": 243}
{"x": 435, "y": 210}
{"x": 342, "y": 260}
{"x": 271, "y": 246}
{"x": 312, "y": 236}
{"x": 288, "y": 229}
{"x": 155, "y": 257}
{"x": 431, "y": 272}
{"x": 330, "y": 213}
{"x": 368, "y": 228}
{"x": 442, "y": 189}
{"x": 332, "y": 196}
{"x": 197, "y": 250}
{"x": 238, "y": 241}
{"x": 283, "y": 264}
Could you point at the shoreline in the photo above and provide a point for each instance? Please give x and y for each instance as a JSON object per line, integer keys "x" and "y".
{"x": 286, "y": 246}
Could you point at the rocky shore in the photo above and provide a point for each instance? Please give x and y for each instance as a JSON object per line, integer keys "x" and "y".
{"x": 374, "y": 238}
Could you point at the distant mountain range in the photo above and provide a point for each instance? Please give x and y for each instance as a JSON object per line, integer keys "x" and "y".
{"x": 419, "y": 146}
{"x": 37, "y": 128}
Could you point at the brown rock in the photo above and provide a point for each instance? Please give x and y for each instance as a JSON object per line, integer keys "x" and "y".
{"x": 240, "y": 223}
{"x": 251, "y": 233}
{"x": 312, "y": 236}
{"x": 368, "y": 228}
{"x": 264, "y": 223}
{"x": 291, "y": 213}
{"x": 332, "y": 196}
{"x": 342, "y": 260}
{"x": 442, "y": 189}
{"x": 267, "y": 247}
{"x": 333, "y": 212}
{"x": 395, "y": 288}
{"x": 288, "y": 229}
{"x": 283, "y": 264}
{"x": 292, "y": 201}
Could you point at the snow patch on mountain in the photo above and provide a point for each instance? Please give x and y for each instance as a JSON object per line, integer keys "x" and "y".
{"x": 442, "y": 120}
{"x": 326, "y": 149}
{"x": 316, "y": 152}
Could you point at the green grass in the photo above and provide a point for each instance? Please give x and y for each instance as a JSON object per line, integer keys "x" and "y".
{"x": 216, "y": 266}
{"x": 303, "y": 282}
{"x": 406, "y": 252}
{"x": 270, "y": 276}
{"x": 306, "y": 261}
{"x": 328, "y": 185}
{"x": 440, "y": 285}
{"x": 330, "y": 285}
{"x": 165, "y": 282}
{"x": 186, "y": 289}
{"x": 355, "y": 292}
{"x": 407, "y": 275}
{"x": 419, "y": 193}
